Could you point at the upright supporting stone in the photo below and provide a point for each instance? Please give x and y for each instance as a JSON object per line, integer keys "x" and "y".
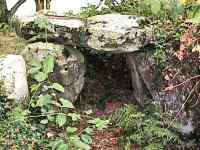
{"x": 69, "y": 68}
{"x": 137, "y": 81}
{"x": 70, "y": 71}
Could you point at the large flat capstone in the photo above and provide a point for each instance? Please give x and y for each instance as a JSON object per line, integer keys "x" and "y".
{"x": 111, "y": 32}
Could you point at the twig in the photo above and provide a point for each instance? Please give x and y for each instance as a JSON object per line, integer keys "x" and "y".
{"x": 169, "y": 88}
{"x": 183, "y": 105}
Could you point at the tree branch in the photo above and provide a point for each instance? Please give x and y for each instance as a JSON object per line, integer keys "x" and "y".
{"x": 15, "y": 7}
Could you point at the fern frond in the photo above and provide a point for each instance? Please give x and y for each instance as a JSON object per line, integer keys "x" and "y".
{"x": 128, "y": 117}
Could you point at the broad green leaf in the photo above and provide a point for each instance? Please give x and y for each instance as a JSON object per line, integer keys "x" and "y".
{"x": 55, "y": 144}
{"x": 71, "y": 130}
{"x": 155, "y": 6}
{"x": 81, "y": 145}
{"x": 58, "y": 87}
{"x": 195, "y": 20}
{"x": 48, "y": 64}
{"x": 34, "y": 70}
{"x": 60, "y": 119}
{"x": 66, "y": 103}
{"x": 50, "y": 117}
{"x": 75, "y": 139}
{"x": 44, "y": 121}
{"x": 44, "y": 100}
{"x": 35, "y": 87}
{"x": 88, "y": 130}
{"x": 36, "y": 63}
{"x": 86, "y": 138}
{"x": 56, "y": 103}
{"x": 63, "y": 147}
{"x": 40, "y": 76}
{"x": 99, "y": 123}
{"x": 74, "y": 116}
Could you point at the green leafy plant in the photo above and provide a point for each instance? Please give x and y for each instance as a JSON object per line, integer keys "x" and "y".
{"x": 4, "y": 106}
{"x": 16, "y": 132}
{"x": 5, "y": 28}
{"x": 43, "y": 24}
{"x": 99, "y": 123}
{"x": 146, "y": 127}
{"x": 49, "y": 108}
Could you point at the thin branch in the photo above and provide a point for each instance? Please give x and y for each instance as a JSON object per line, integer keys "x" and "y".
{"x": 183, "y": 105}
{"x": 169, "y": 88}
{"x": 15, "y": 7}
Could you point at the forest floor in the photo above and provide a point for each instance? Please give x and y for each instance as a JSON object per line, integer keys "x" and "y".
{"x": 107, "y": 88}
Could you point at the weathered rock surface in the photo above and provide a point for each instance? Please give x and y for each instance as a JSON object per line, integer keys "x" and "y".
{"x": 150, "y": 81}
{"x": 111, "y": 32}
{"x": 70, "y": 72}
{"x": 13, "y": 78}
{"x": 69, "y": 66}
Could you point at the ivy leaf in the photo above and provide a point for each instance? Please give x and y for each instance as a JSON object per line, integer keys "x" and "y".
{"x": 48, "y": 64}
{"x": 60, "y": 119}
{"x": 44, "y": 100}
{"x": 66, "y": 103}
{"x": 40, "y": 77}
{"x": 86, "y": 138}
{"x": 74, "y": 116}
{"x": 58, "y": 87}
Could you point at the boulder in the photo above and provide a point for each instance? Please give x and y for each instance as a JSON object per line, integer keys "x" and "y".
{"x": 13, "y": 78}
{"x": 114, "y": 33}
{"x": 69, "y": 68}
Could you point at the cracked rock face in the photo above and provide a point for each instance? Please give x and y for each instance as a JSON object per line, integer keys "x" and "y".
{"x": 13, "y": 78}
{"x": 114, "y": 33}
{"x": 70, "y": 71}
{"x": 69, "y": 68}
{"x": 117, "y": 33}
